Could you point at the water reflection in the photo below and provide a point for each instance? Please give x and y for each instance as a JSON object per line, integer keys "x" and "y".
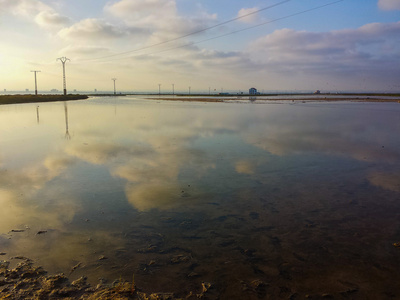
{"x": 67, "y": 135}
{"x": 270, "y": 192}
{"x": 386, "y": 179}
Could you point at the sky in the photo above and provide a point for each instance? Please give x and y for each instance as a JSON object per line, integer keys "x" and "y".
{"x": 201, "y": 45}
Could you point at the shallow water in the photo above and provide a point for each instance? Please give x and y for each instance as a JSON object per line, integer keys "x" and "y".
{"x": 272, "y": 200}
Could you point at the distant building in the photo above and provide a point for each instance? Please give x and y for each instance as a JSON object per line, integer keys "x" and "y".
{"x": 317, "y": 92}
{"x": 253, "y": 91}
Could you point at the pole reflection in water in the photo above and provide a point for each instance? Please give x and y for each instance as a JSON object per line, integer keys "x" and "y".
{"x": 67, "y": 135}
{"x": 37, "y": 114}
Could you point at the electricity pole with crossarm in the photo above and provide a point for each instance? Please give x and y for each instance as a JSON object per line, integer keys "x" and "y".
{"x": 63, "y": 61}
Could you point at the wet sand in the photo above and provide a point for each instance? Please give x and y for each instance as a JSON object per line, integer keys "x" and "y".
{"x": 27, "y": 281}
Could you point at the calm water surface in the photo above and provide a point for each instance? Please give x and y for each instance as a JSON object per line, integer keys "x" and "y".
{"x": 268, "y": 201}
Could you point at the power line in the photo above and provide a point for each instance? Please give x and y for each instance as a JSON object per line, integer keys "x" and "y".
{"x": 234, "y": 32}
{"x": 192, "y": 33}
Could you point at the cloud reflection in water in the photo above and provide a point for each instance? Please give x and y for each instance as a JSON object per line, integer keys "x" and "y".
{"x": 128, "y": 159}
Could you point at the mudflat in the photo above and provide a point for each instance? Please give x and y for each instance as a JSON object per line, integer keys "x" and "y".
{"x": 16, "y": 99}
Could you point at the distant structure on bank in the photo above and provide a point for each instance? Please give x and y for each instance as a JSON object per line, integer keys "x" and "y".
{"x": 317, "y": 92}
{"x": 253, "y": 91}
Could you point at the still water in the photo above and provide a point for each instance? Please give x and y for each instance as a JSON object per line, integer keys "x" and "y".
{"x": 261, "y": 200}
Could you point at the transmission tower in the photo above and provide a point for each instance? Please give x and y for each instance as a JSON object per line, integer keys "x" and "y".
{"x": 35, "y": 81}
{"x": 63, "y": 61}
{"x": 114, "y": 85}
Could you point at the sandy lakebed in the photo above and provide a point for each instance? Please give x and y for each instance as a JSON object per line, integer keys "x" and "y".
{"x": 27, "y": 281}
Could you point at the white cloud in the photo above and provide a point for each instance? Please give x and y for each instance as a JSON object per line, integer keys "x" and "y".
{"x": 84, "y": 50}
{"x": 93, "y": 29}
{"x": 159, "y": 15}
{"x": 26, "y": 8}
{"x": 39, "y": 12}
{"x": 251, "y": 12}
{"x": 51, "y": 18}
{"x": 373, "y": 46}
{"x": 142, "y": 10}
{"x": 389, "y": 4}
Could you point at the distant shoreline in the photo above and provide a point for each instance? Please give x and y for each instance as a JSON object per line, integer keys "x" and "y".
{"x": 282, "y": 97}
{"x": 193, "y": 99}
{"x": 19, "y": 99}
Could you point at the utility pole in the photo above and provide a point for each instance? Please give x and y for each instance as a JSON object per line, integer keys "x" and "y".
{"x": 63, "y": 61}
{"x": 114, "y": 85}
{"x": 173, "y": 89}
{"x": 189, "y": 90}
{"x": 159, "y": 89}
{"x": 35, "y": 81}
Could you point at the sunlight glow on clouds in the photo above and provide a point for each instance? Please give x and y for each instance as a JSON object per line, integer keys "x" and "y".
{"x": 41, "y": 13}
{"x": 26, "y": 8}
{"x": 51, "y": 18}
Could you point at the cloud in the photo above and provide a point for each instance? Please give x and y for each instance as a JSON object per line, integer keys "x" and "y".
{"x": 41, "y": 13}
{"x": 290, "y": 135}
{"x": 159, "y": 16}
{"x": 371, "y": 50}
{"x": 15, "y": 213}
{"x": 142, "y": 10}
{"x": 92, "y": 29}
{"x": 150, "y": 196}
{"x": 386, "y": 180}
{"x": 29, "y": 181}
{"x": 84, "y": 50}
{"x": 105, "y": 152}
{"x": 251, "y": 12}
{"x": 26, "y": 8}
{"x": 51, "y": 18}
{"x": 289, "y": 46}
{"x": 389, "y": 4}
{"x": 245, "y": 167}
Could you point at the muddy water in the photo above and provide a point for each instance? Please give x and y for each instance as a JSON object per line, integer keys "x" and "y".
{"x": 262, "y": 200}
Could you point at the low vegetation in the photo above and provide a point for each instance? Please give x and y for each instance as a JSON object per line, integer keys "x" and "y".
{"x": 14, "y": 99}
